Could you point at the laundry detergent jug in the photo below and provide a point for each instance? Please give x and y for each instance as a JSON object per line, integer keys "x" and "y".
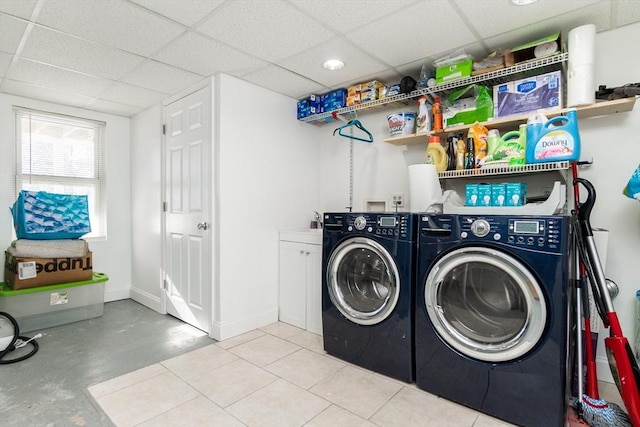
{"x": 509, "y": 148}
{"x": 554, "y": 140}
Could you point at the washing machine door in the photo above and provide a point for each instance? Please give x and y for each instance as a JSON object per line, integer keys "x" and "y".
{"x": 363, "y": 281}
{"x": 485, "y": 304}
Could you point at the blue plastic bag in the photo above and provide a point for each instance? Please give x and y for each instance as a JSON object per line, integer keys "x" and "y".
{"x": 632, "y": 190}
{"x": 38, "y": 215}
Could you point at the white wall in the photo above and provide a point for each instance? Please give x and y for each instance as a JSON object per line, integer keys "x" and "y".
{"x": 612, "y": 141}
{"x": 113, "y": 255}
{"x": 267, "y": 179}
{"x": 146, "y": 202}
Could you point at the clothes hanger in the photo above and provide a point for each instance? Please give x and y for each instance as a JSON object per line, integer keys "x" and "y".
{"x": 351, "y": 124}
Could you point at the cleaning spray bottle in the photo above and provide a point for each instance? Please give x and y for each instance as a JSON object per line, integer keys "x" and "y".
{"x": 423, "y": 122}
{"x": 553, "y": 140}
{"x": 436, "y": 154}
{"x": 437, "y": 115}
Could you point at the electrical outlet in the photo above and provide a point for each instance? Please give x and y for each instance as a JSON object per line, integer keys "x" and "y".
{"x": 397, "y": 199}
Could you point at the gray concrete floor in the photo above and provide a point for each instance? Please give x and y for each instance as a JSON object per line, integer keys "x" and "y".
{"x": 49, "y": 389}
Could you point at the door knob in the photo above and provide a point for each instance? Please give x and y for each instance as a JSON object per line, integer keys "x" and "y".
{"x": 203, "y": 225}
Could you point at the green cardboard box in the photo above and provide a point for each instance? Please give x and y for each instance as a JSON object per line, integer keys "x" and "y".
{"x": 454, "y": 71}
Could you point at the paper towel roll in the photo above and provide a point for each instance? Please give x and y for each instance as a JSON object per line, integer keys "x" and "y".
{"x": 424, "y": 187}
{"x": 581, "y": 85}
{"x": 581, "y": 80}
{"x": 582, "y": 45}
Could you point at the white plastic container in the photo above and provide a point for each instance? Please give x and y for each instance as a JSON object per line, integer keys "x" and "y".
{"x": 49, "y": 306}
{"x": 402, "y": 123}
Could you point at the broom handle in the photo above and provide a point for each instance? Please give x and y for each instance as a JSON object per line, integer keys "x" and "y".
{"x": 592, "y": 373}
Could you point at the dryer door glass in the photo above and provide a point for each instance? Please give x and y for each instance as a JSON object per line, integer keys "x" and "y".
{"x": 363, "y": 281}
{"x": 485, "y": 304}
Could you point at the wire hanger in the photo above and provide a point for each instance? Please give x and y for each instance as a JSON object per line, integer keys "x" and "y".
{"x": 351, "y": 124}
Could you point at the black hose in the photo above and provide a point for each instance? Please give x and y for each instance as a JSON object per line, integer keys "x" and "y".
{"x": 11, "y": 347}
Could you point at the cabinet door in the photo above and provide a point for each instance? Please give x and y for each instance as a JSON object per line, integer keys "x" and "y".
{"x": 293, "y": 281}
{"x": 314, "y": 288}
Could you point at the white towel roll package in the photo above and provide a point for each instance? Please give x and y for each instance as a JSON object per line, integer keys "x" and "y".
{"x": 66, "y": 248}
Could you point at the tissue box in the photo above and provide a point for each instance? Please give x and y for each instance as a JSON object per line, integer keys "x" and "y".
{"x": 333, "y": 100}
{"x": 309, "y": 106}
{"x": 454, "y": 71}
{"x": 526, "y": 95}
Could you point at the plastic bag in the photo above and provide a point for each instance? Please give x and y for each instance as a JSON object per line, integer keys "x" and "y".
{"x": 39, "y": 215}
{"x": 632, "y": 189}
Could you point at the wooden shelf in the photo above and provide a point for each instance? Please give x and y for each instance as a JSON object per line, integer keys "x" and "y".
{"x": 601, "y": 108}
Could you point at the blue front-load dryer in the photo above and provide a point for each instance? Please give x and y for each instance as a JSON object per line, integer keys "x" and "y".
{"x": 368, "y": 289}
{"x": 493, "y": 314}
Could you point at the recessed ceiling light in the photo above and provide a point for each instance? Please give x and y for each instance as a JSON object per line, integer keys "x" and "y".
{"x": 523, "y": 2}
{"x": 333, "y": 64}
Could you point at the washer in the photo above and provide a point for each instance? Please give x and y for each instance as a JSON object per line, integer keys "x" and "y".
{"x": 368, "y": 275}
{"x": 493, "y": 316}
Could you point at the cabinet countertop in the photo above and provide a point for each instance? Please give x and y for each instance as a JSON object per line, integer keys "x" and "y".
{"x": 310, "y": 235}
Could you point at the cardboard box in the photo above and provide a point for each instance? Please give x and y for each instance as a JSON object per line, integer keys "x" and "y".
{"x": 23, "y": 273}
{"x": 516, "y": 194}
{"x": 498, "y": 194}
{"x": 308, "y": 106}
{"x": 333, "y": 100}
{"x": 527, "y": 51}
{"x": 526, "y": 95}
{"x": 454, "y": 71}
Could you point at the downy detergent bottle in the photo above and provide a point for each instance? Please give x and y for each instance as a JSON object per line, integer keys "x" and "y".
{"x": 553, "y": 140}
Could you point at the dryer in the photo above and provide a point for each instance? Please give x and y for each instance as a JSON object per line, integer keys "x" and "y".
{"x": 493, "y": 316}
{"x": 368, "y": 274}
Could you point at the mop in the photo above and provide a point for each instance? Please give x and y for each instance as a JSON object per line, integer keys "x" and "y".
{"x": 598, "y": 412}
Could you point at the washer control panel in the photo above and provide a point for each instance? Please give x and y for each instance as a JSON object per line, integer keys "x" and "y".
{"x": 391, "y": 225}
{"x": 541, "y": 233}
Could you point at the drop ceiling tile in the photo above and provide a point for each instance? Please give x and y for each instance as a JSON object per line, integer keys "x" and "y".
{"x": 20, "y": 8}
{"x": 162, "y": 77}
{"x": 339, "y": 14}
{"x": 415, "y": 35}
{"x": 628, "y": 12}
{"x": 132, "y": 95}
{"x": 283, "y": 81}
{"x": 65, "y": 51}
{"x": 112, "y": 108}
{"x": 598, "y": 14}
{"x": 176, "y": 10}
{"x": 28, "y": 90}
{"x": 57, "y": 78}
{"x": 309, "y": 63}
{"x": 507, "y": 16}
{"x": 115, "y": 23}
{"x": 271, "y": 30}
{"x": 201, "y": 55}
{"x": 11, "y": 31}
{"x": 5, "y": 61}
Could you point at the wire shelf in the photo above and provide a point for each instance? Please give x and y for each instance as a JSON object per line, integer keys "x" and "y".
{"x": 505, "y": 170}
{"x": 492, "y": 78}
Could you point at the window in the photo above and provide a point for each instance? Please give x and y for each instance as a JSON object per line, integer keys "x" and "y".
{"x": 62, "y": 154}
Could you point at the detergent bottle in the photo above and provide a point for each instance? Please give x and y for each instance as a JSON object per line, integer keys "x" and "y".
{"x": 553, "y": 140}
{"x": 510, "y": 147}
{"x": 436, "y": 154}
{"x": 493, "y": 140}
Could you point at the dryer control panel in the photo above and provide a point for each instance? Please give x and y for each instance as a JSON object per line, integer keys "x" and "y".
{"x": 390, "y": 225}
{"x": 542, "y": 233}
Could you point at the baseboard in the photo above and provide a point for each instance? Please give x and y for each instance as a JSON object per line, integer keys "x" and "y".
{"x": 224, "y": 330}
{"x": 604, "y": 371}
{"x": 145, "y": 298}
{"x": 116, "y": 294}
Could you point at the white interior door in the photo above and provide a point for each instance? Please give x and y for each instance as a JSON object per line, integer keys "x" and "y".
{"x": 188, "y": 232}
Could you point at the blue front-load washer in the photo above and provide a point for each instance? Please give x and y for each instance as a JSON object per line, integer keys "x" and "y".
{"x": 368, "y": 288}
{"x": 493, "y": 314}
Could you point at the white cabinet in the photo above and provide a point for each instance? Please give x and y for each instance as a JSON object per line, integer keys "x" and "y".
{"x": 300, "y": 284}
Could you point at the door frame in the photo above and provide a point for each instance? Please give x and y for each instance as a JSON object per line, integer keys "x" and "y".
{"x": 213, "y": 204}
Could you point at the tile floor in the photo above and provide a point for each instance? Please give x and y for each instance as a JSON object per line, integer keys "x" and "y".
{"x": 278, "y": 375}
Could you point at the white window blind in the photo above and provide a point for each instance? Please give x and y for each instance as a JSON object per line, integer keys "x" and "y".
{"x": 62, "y": 154}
